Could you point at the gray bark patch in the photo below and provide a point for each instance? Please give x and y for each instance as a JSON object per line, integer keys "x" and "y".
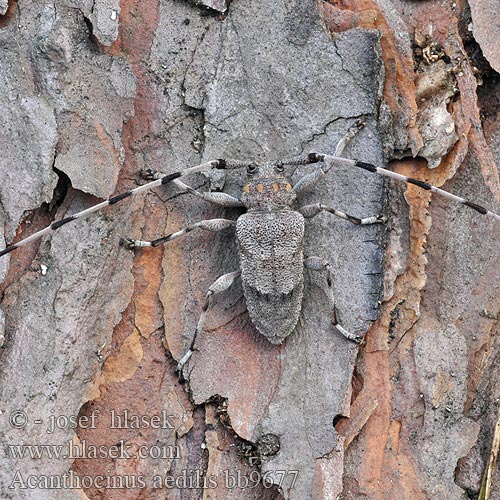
{"x": 272, "y": 84}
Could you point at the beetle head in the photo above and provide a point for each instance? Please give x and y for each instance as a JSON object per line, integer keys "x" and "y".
{"x": 267, "y": 187}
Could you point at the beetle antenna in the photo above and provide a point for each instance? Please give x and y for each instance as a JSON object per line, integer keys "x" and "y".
{"x": 403, "y": 178}
{"x": 165, "y": 179}
{"x": 310, "y": 179}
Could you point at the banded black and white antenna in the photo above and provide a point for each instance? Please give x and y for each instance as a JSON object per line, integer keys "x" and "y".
{"x": 162, "y": 180}
{"x": 331, "y": 160}
{"x": 409, "y": 180}
{"x": 227, "y": 200}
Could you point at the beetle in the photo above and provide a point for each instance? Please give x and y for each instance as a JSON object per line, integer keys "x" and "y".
{"x": 270, "y": 239}
{"x": 269, "y": 235}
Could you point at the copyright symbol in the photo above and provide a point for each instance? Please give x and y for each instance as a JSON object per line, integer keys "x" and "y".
{"x": 18, "y": 419}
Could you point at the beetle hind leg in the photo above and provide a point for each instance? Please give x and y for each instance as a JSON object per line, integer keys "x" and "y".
{"x": 220, "y": 285}
{"x": 319, "y": 264}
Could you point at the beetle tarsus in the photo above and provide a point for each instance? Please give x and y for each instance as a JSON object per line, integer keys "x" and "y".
{"x": 127, "y": 243}
{"x": 149, "y": 174}
{"x": 349, "y": 336}
{"x": 183, "y": 361}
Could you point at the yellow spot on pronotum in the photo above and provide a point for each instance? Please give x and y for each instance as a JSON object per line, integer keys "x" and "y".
{"x": 276, "y": 187}
{"x": 260, "y": 188}
{"x": 288, "y": 187}
{"x": 246, "y": 188}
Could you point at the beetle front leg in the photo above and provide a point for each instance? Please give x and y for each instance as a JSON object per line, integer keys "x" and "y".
{"x": 216, "y": 197}
{"x": 309, "y": 180}
{"x": 213, "y": 225}
{"x": 319, "y": 264}
{"x": 220, "y": 285}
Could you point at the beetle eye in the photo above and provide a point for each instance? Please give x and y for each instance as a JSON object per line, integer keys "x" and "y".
{"x": 279, "y": 167}
{"x": 252, "y": 168}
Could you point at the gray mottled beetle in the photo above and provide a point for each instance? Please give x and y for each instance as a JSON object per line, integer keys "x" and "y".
{"x": 270, "y": 235}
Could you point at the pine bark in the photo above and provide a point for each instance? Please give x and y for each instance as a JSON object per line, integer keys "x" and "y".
{"x": 91, "y": 93}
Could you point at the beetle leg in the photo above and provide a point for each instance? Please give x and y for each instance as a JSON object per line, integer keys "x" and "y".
{"x": 213, "y": 225}
{"x": 218, "y": 198}
{"x": 310, "y": 211}
{"x": 309, "y": 180}
{"x": 319, "y": 264}
{"x": 220, "y": 285}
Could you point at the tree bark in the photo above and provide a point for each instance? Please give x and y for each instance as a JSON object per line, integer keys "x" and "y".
{"x": 95, "y": 91}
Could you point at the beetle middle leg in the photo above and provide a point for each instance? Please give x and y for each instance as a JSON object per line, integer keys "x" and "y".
{"x": 213, "y": 225}
{"x": 319, "y": 264}
{"x": 220, "y": 285}
{"x": 310, "y": 211}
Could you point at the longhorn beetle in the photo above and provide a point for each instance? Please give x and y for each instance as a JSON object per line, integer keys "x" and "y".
{"x": 269, "y": 235}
